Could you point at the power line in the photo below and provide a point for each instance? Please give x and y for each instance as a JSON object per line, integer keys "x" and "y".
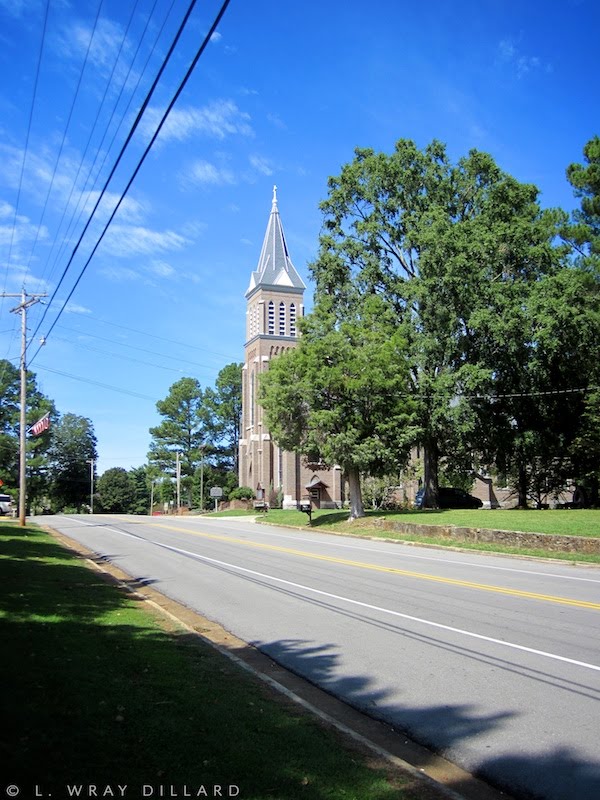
{"x": 64, "y": 136}
{"x": 81, "y": 203}
{"x": 126, "y": 358}
{"x": 549, "y": 392}
{"x": 97, "y": 383}
{"x": 139, "y": 165}
{"x": 26, "y": 149}
{"x": 112, "y": 172}
{"x": 74, "y": 219}
{"x": 145, "y": 334}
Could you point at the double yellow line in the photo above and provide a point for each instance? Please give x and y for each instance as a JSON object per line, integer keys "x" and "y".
{"x": 484, "y": 587}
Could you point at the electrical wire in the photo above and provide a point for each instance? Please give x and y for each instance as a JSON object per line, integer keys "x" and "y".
{"x": 85, "y": 193}
{"x": 82, "y": 201}
{"x": 141, "y": 161}
{"x": 74, "y": 222}
{"x": 64, "y": 137}
{"x": 84, "y": 346}
{"x": 97, "y": 383}
{"x": 26, "y": 149}
{"x": 112, "y": 172}
{"x": 25, "y": 152}
{"x": 147, "y": 335}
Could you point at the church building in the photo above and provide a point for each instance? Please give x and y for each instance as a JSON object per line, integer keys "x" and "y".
{"x": 275, "y": 299}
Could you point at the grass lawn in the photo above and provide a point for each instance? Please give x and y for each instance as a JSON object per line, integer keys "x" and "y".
{"x": 97, "y": 690}
{"x": 234, "y": 512}
{"x": 585, "y": 522}
{"x": 571, "y": 522}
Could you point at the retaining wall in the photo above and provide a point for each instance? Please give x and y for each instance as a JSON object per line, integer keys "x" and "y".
{"x": 545, "y": 541}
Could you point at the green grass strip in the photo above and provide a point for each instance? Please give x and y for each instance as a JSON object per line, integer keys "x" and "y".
{"x": 570, "y": 522}
{"x": 96, "y": 692}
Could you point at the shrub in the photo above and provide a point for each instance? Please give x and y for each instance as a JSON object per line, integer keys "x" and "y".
{"x": 241, "y": 493}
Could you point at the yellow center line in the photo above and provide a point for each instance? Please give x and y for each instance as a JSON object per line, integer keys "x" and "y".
{"x": 566, "y": 601}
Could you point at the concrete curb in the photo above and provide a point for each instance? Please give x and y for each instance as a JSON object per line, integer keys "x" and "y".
{"x": 394, "y": 747}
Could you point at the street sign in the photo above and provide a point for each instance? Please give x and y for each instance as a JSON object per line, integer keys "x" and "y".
{"x": 216, "y": 491}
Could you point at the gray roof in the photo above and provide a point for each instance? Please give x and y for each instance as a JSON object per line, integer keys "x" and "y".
{"x": 275, "y": 268}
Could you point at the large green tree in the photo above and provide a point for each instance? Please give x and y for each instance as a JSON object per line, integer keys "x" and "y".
{"x": 72, "y": 447}
{"x": 141, "y": 479}
{"x": 183, "y": 431}
{"x": 341, "y": 396}
{"x": 37, "y": 447}
{"x": 583, "y": 234}
{"x": 429, "y": 237}
{"x": 115, "y": 490}
{"x": 583, "y": 230}
{"x": 540, "y": 339}
{"x": 223, "y": 405}
{"x": 538, "y": 331}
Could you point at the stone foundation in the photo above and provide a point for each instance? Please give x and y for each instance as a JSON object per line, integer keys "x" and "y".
{"x": 542, "y": 541}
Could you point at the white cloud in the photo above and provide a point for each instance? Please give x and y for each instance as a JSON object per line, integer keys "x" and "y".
{"x": 16, "y": 230}
{"x": 523, "y": 64}
{"x": 261, "y": 164}
{"x": 20, "y": 277}
{"x": 39, "y": 174}
{"x": 101, "y": 46}
{"x": 119, "y": 274}
{"x": 276, "y": 120}
{"x": 131, "y": 240}
{"x": 216, "y": 120}
{"x": 74, "y": 308}
{"x": 204, "y": 173}
{"x": 17, "y": 8}
{"x": 161, "y": 268}
{"x": 194, "y": 229}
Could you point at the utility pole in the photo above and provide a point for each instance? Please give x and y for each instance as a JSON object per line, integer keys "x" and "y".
{"x": 178, "y": 478}
{"x": 202, "y": 446}
{"x": 26, "y": 301}
{"x": 90, "y": 461}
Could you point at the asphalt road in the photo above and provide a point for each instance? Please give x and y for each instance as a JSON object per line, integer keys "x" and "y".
{"x": 493, "y": 662}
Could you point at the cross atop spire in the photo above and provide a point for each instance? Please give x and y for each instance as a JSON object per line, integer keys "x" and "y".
{"x": 275, "y": 268}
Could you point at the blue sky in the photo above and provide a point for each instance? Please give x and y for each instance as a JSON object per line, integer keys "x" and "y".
{"x": 282, "y": 95}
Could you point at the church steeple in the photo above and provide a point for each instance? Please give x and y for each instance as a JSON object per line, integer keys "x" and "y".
{"x": 275, "y": 268}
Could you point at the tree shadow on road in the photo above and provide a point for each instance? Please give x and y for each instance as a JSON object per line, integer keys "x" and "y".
{"x": 559, "y": 774}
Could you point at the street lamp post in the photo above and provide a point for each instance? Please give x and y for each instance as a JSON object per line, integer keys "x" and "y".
{"x": 201, "y": 478}
{"x": 90, "y": 461}
{"x": 178, "y": 479}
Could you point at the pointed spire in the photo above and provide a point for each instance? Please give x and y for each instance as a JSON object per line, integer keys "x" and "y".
{"x": 275, "y": 267}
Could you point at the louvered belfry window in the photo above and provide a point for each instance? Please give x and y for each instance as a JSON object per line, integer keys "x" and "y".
{"x": 271, "y": 321}
{"x": 282, "y": 319}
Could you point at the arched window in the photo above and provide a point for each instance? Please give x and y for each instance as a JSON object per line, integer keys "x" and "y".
{"x": 292, "y": 319}
{"x": 271, "y": 328}
{"x": 282, "y": 319}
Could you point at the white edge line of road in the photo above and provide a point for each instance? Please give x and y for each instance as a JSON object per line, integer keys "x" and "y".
{"x": 420, "y": 620}
{"x": 295, "y": 698}
{"x": 414, "y": 556}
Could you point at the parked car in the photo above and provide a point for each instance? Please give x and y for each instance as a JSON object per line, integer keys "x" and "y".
{"x": 450, "y": 497}
{"x": 6, "y": 506}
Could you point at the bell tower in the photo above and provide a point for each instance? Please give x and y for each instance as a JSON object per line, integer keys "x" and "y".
{"x": 275, "y": 302}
